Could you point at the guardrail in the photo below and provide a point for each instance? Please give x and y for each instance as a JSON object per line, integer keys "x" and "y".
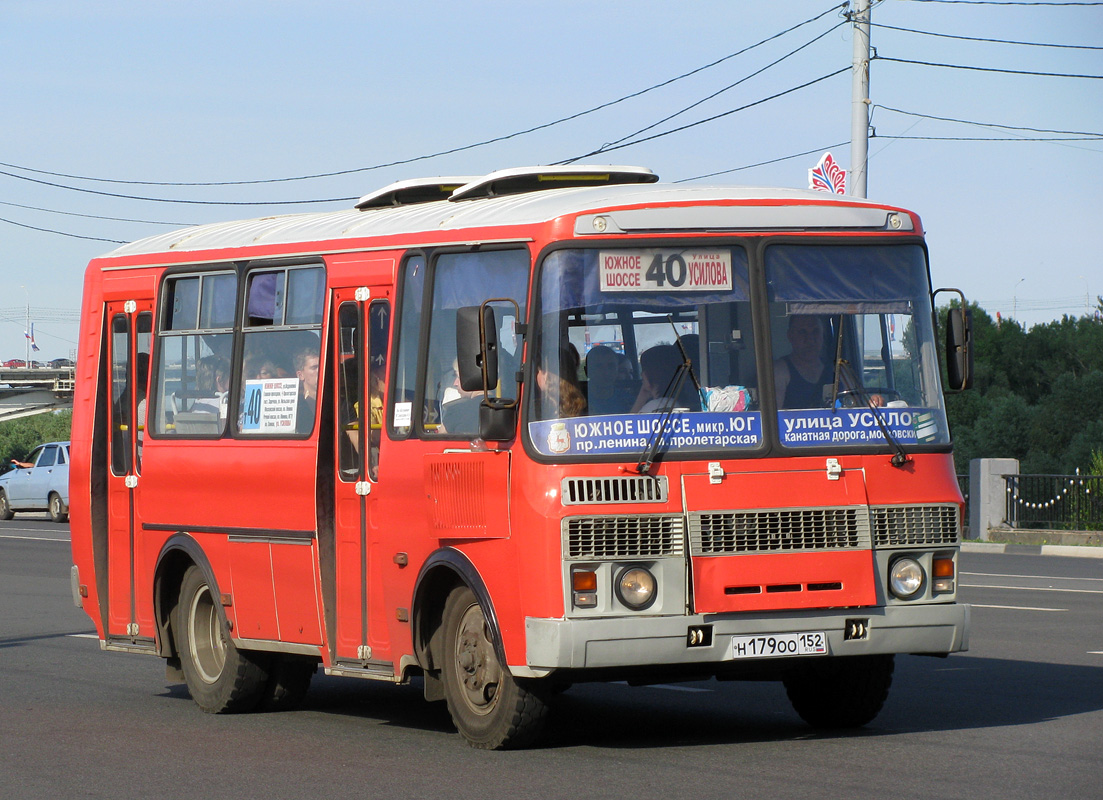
{"x": 1055, "y": 502}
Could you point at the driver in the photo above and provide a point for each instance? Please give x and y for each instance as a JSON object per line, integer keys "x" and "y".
{"x": 799, "y": 377}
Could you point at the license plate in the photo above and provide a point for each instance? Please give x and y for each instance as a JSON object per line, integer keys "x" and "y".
{"x": 777, "y": 645}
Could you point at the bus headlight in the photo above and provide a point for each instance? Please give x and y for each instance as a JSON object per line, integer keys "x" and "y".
{"x": 636, "y": 587}
{"x": 905, "y": 578}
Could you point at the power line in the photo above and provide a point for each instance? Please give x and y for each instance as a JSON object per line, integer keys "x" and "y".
{"x": 985, "y": 124}
{"x": 167, "y": 200}
{"x": 988, "y": 69}
{"x": 1007, "y": 3}
{"x": 413, "y": 159}
{"x": 982, "y": 39}
{"x": 713, "y": 118}
{"x": 61, "y": 233}
{"x": 96, "y": 216}
{"x": 719, "y": 92}
{"x": 763, "y": 163}
{"x": 1096, "y": 138}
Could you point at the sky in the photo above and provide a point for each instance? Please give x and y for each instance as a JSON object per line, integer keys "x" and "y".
{"x": 128, "y": 97}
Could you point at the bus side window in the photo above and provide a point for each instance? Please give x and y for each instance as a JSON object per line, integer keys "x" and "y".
{"x": 195, "y": 341}
{"x": 282, "y": 350}
{"x": 469, "y": 279}
{"x": 379, "y": 323}
{"x": 407, "y": 346}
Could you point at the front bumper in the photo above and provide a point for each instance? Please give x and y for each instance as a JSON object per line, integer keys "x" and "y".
{"x": 554, "y": 644}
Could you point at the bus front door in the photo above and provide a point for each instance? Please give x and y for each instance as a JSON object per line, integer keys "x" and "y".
{"x": 129, "y": 338}
{"x": 358, "y": 362}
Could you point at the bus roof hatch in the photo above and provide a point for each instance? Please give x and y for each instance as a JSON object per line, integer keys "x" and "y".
{"x": 413, "y": 191}
{"x": 534, "y": 179}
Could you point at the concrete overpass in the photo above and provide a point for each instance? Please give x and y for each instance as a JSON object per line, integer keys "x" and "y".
{"x": 25, "y": 391}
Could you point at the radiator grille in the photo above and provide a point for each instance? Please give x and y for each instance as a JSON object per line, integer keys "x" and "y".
{"x": 621, "y": 489}
{"x": 896, "y": 526}
{"x": 635, "y": 536}
{"x": 779, "y": 530}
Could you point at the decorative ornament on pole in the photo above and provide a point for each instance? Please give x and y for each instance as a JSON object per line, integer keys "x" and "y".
{"x": 827, "y": 176}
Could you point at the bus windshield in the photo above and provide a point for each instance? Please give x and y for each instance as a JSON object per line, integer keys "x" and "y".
{"x": 635, "y": 344}
{"x": 853, "y": 345}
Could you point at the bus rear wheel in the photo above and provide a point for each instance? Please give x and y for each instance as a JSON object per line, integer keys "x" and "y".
{"x": 492, "y": 709}
{"x": 220, "y": 678}
{"x": 841, "y": 692}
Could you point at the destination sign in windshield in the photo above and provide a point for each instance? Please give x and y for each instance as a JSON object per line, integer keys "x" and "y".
{"x": 665, "y": 270}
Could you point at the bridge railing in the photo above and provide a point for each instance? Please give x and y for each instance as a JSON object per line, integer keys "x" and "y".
{"x": 1055, "y": 502}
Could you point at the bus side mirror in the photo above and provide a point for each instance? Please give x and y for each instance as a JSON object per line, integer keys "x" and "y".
{"x": 476, "y": 348}
{"x": 959, "y": 349}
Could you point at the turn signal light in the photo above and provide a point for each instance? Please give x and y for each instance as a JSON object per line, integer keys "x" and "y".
{"x": 943, "y": 569}
{"x": 584, "y": 581}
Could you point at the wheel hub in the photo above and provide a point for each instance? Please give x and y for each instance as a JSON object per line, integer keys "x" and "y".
{"x": 478, "y": 665}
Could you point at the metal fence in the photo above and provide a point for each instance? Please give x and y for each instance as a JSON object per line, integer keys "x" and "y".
{"x": 1055, "y": 502}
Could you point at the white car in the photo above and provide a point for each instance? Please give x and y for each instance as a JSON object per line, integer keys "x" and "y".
{"x": 44, "y": 486}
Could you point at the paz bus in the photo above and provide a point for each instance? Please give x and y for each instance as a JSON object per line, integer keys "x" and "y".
{"x": 504, "y": 434}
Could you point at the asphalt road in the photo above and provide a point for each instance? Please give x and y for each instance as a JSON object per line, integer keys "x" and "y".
{"x": 1018, "y": 716}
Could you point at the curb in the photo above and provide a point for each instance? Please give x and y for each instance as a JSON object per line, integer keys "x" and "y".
{"x": 1072, "y": 550}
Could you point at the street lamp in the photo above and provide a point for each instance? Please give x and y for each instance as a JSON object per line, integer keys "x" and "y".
{"x": 1015, "y": 302}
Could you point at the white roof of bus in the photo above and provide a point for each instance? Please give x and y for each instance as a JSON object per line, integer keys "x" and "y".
{"x": 815, "y": 210}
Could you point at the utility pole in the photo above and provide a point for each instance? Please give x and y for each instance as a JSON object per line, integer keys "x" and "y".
{"x": 859, "y": 100}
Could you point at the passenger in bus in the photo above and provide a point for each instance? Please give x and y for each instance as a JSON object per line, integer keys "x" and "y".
{"x": 800, "y": 376}
{"x": 212, "y": 381}
{"x": 306, "y": 370}
{"x": 459, "y": 410}
{"x": 658, "y": 366}
{"x": 141, "y": 380}
{"x": 560, "y": 392}
{"x": 604, "y": 392}
{"x": 260, "y": 367}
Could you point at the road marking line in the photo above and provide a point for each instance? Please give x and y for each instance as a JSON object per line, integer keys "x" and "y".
{"x": 1032, "y": 588}
{"x": 1095, "y": 652}
{"x": 83, "y": 635}
{"x": 1034, "y": 577}
{"x": 1018, "y": 608}
{"x": 34, "y": 538}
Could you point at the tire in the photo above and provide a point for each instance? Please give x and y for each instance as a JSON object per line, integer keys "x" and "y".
{"x": 492, "y": 709}
{"x": 57, "y": 509}
{"x": 288, "y": 681}
{"x": 5, "y": 508}
{"x": 220, "y": 678}
{"x": 840, "y": 692}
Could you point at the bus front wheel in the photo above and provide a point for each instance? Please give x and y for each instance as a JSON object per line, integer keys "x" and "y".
{"x": 492, "y": 709}
{"x": 840, "y": 692}
{"x": 220, "y": 678}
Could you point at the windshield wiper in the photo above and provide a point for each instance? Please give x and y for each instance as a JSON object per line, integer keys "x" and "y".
{"x": 673, "y": 389}
{"x": 900, "y": 456}
{"x": 687, "y": 362}
{"x": 643, "y": 466}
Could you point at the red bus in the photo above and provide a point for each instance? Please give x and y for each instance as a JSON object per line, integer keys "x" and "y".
{"x": 395, "y": 442}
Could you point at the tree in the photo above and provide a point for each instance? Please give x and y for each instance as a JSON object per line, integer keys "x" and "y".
{"x": 1036, "y": 394}
{"x": 20, "y": 436}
